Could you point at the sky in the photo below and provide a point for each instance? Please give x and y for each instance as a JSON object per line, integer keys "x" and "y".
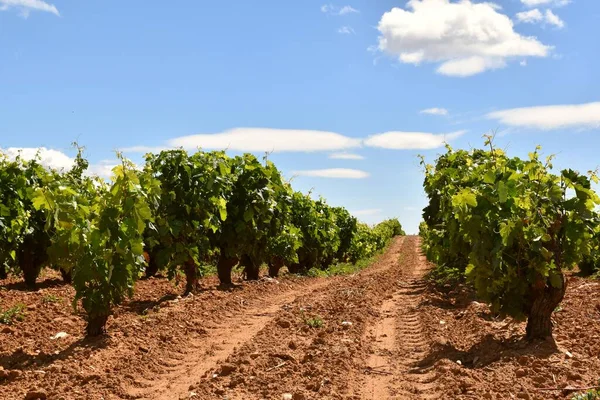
{"x": 345, "y": 95}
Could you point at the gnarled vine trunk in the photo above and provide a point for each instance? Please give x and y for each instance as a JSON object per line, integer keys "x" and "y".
{"x": 544, "y": 300}
{"x": 96, "y": 325}
{"x": 152, "y": 267}
{"x": 191, "y": 276}
{"x": 67, "y": 275}
{"x": 3, "y": 274}
{"x": 251, "y": 270}
{"x": 275, "y": 264}
{"x": 224, "y": 267}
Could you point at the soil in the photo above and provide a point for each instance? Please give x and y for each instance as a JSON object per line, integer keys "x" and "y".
{"x": 383, "y": 333}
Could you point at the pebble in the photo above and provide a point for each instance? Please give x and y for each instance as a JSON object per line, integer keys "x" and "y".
{"x": 347, "y": 324}
{"x": 287, "y": 396}
{"x": 227, "y": 369}
{"x": 283, "y": 323}
{"x": 36, "y": 395}
{"x": 521, "y": 373}
{"x": 59, "y": 335}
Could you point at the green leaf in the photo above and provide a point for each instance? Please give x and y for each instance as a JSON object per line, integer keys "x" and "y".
{"x": 464, "y": 198}
{"x": 502, "y": 192}
{"x": 556, "y": 280}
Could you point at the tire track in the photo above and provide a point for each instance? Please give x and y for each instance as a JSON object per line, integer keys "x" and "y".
{"x": 399, "y": 341}
{"x": 177, "y": 375}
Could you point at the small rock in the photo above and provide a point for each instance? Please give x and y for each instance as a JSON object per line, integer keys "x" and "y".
{"x": 347, "y": 324}
{"x": 227, "y": 369}
{"x": 59, "y": 335}
{"x": 36, "y": 395}
{"x": 287, "y": 396}
{"x": 14, "y": 374}
{"x": 7, "y": 330}
{"x": 284, "y": 323}
{"x": 521, "y": 373}
{"x": 292, "y": 345}
{"x": 144, "y": 349}
{"x": 299, "y": 396}
{"x": 573, "y": 376}
{"x": 442, "y": 322}
{"x": 523, "y": 395}
{"x": 459, "y": 362}
{"x": 254, "y": 355}
{"x": 568, "y": 354}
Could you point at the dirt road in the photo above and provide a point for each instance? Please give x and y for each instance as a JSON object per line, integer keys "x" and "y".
{"x": 378, "y": 334}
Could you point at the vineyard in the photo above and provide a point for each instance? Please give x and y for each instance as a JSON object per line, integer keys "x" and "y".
{"x": 202, "y": 275}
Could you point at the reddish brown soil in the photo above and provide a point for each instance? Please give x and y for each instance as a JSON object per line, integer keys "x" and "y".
{"x": 291, "y": 336}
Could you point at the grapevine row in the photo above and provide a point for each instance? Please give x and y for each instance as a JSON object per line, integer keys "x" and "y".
{"x": 177, "y": 214}
{"x": 512, "y": 227}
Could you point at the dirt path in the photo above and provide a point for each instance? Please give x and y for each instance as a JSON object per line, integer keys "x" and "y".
{"x": 316, "y": 347}
{"x": 182, "y": 370}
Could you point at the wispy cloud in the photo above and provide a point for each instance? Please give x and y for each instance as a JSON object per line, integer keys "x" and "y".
{"x": 346, "y": 156}
{"x": 346, "y": 30}
{"x": 411, "y": 140}
{"x": 554, "y": 19}
{"x": 548, "y": 3}
{"x": 551, "y": 117}
{"x": 434, "y": 111}
{"x": 339, "y": 173}
{"x": 259, "y": 140}
{"x": 335, "y": 10}
{"x": 26, "y": 6}
{"x": 536, "y": 16}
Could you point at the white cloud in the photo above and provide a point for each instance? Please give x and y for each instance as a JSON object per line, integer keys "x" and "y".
{"x": 434, "y": 111}
{"x": 523, "y": 63}
{"x": 49, "y": 158}
{"x": 346, "y": 30}
{"x": 554, "y": 19}
{"x": 410, "y": 140}
{"x": 335, "y": 10}
{"x": 57, "y": 160}
{"x": 25, "y": 6}
{"x": 347, "y": 10}
{"x": 535, "y": 16}
{"x": 259, "y": 140}
{"x": 551, "y": 117}
{"x": 341, "y": 173}
{"x": 465, "y": 38}
{"x": 549, "y": 3}
{"x": 346, "y": 156}
{"x": 531, "y": 16}
{"x": 367, "y": 212}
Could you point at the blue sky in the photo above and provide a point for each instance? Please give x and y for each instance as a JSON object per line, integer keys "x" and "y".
{"x": 307, "y": 79}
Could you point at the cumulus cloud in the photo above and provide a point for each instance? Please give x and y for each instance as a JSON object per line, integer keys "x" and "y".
{"x": 411, "y": 140}
{"x": 551, "y": 117}
{"x": 346, "y": 30}
{"x": 49, "y": 158}
{"x": 26, "y": 6}
{"x": 434, "y": 111}
{"x": 465, "y": 38}
{"x": 335, "y": 10}
{"x": 259, "y": 140}
{"x": 340, "y": 173}
{"x": 548, "y": 3}
{"x": 57, "y": 160}
{"x": 346, "y": 156}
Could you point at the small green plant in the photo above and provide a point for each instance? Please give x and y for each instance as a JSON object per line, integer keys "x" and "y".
{"x": 593, "y": 394}
{"x": 50, "y": 298}
{"x": 16, "y": 313}
{"x": 314, "y": 322}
